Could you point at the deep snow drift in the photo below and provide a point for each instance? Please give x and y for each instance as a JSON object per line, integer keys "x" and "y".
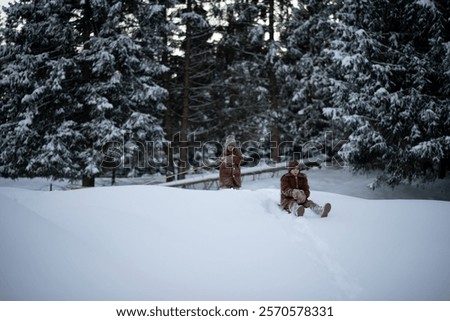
{"x": 162, "y": 243}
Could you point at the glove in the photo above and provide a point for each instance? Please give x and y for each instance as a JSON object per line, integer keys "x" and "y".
{"x": 299, "y": 195}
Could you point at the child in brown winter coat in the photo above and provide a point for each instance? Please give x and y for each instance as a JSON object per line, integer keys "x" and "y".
{"x": 230, "y": 166}
{"x": 295, "y": 193}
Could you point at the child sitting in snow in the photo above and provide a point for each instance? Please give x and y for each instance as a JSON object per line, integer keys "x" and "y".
{"x": 295, "y": 193}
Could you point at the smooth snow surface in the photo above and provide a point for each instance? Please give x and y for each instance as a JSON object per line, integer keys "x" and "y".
{"x": 162, "y": 243}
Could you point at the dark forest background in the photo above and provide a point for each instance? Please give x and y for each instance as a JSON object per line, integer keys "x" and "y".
{"x": 141, "y": 87}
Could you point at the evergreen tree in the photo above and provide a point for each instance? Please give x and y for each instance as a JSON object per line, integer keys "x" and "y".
{"x": 309, "y": 82}
{"x": 191, "y": 74}
{"x": 118, "y": 86}
{"x": 394, "y": 88}
{"x": 37, "y": 137}
{"x": 75, "y": 79}
{"x": 242, "y": 52}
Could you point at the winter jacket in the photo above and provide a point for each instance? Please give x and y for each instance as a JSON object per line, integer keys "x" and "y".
{"x": 230, "y": 169}
{"x": 288, "y": 183}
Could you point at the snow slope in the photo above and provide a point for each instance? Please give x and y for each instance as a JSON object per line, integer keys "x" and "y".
{"x": 162, "y": 243}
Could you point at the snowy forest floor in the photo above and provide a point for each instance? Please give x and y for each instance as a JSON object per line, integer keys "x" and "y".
{"x": 339, "y": 180}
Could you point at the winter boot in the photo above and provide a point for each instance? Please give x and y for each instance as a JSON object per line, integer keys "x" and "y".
{"x": 321, "y": 211}
{"x": 297, "y": 209}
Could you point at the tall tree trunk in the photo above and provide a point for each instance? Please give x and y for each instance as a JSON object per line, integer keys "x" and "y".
{"x": 273, "y": 90}
{"x": 87, "y": 29}
{"x": 88, "y": 181}
{"x": 113, "y": 176}
{"x": 169, "y": 132}
{"x": 186, "y": 88}
{"x": 444, "y": 165}
{"x": 275, "y": 131}
{"x": 168, "y": 117}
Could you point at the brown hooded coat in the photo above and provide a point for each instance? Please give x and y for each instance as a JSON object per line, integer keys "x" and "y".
{"x": 230, "y": 169}
{"x": 289, "y": 182}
